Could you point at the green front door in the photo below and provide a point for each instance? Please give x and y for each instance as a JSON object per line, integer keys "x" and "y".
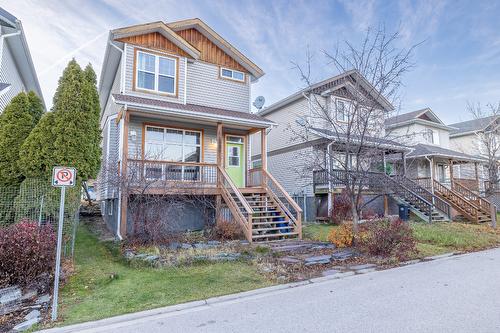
{"x": 235, "y": 159}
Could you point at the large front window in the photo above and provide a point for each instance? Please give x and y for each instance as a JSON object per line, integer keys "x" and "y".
{"x": 156, "y": 73}
{"x": 173, "y": 145}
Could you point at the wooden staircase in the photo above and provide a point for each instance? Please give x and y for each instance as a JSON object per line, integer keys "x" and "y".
{"x": 466, "y": 202}
{"x": 265, "y": 211}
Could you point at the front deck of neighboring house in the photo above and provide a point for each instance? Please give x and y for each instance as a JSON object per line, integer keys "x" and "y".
{"x": 190, "y": 156}
{"x": 426, "y": 181}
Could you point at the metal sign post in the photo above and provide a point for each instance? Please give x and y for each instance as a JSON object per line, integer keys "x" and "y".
{"x": 61, "y": 177}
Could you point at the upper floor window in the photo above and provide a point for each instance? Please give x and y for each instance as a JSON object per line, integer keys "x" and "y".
{"x": 232, "y": 74}
{"x": 156, "y": 73}
{"x": 341, "y": 110}
{"x": 431, "y": 136}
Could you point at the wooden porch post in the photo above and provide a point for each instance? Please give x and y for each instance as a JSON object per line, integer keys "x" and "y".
{"x": 220, "y": 163}
{"x": 450, "y": 163}
{"x": 124, "y": 196}
{"x": 404, "y": 163}
{"x": 477, "y": 175}
{"x": 263, "y": 155}
{"x": 263, "y": 148}
{"x": 431, "y": 164}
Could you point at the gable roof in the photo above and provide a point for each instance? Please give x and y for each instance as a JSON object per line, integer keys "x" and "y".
{"x": 18, "y": 45}
{"x": 423, "y": 150}
{"x": 213, "y": 36}
{"x": 423, "y": 116}
{"x": 471, "y": 126}
{"x": 160, "y": 27}
{"x": 330, "y": 84}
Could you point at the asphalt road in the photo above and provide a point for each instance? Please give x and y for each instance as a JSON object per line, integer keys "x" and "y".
{"x": 457, "y": 294}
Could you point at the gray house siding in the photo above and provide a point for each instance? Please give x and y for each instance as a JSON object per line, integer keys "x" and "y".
{"x": 9, "y": 74}
{"x": 129, "y": 77}
{"x": 205, "y": 87}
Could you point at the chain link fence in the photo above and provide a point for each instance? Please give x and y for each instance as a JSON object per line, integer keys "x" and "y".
{"x": 37, "y": 201}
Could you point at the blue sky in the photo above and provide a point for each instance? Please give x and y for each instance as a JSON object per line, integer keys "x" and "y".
{"x": 458, "y": 62}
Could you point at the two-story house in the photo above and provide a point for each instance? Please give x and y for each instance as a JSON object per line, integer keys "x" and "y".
{"x": 470, "y": 137}
{"x": 452, "y": 175}
{"x": 307, "y": 143}
{"x": 17, "y": 72}
{"x": 176, "y": 123}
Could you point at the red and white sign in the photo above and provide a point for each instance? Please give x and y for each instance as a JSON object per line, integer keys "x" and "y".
{"x": 63, "y": 176}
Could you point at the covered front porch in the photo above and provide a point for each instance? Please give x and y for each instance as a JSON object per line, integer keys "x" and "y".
{"x": 205, "y": 155}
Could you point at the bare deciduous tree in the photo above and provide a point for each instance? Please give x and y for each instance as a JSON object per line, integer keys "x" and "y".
{"x": 488, "y": 139}
{"x": 355, "y": 125}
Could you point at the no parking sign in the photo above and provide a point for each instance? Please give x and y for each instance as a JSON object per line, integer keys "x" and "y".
{"x": 63, "y": 176}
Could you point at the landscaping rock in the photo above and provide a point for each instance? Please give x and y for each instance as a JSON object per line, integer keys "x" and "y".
{"x": 324, "y": 259}
{"x": 290, "y": 260}
{"x": 227, "y": 256}
{"x": 201, "y": 258}
{"x": 186, "y": 246}
{"x": 174, "y": 246}
{"x": 201, "y": 246}
{"x": 45, "y": 298}
{"x": 330, "y": 272}
{"x": 213, "y": 243}
{"x": 343, "y": 255}
{"x": 9, "y": 308}
{"x": 151, "y": 258}
{"x": 363, "y": 266}
{"x": 287, "y": 248}
{"x": 129, "y": 254}
{"x": 10, "y": 294}
{"x": 32, "y": 314}
{"x": 25, "y": 325}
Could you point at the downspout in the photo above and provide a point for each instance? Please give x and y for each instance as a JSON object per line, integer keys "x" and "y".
{"x": 120, "y": 153}
{"x": 329, "y": 170}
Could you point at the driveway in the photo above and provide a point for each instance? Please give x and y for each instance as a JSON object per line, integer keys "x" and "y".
{"x": 456, "y": 294}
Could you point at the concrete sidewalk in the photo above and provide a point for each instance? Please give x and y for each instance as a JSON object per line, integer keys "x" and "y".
{"x": 455, "y": 294}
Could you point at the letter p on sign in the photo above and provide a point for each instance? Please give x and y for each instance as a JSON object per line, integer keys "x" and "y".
{"x": 63, "y": 176}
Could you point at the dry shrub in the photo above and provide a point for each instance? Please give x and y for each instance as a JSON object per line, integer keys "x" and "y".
{"x": 387, "y": 238}
{"x": 227, "y": 230}
{"x": 342, "y": 236}
{"x": 26, "y": 252}
{"x": 341, "y": 208}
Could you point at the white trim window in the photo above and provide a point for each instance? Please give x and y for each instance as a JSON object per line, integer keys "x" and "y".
{"x": 430, "y": 136}
{"x": 341, "y": 112}
{"x": 173, "y": 145}
{"x": 156, "y": 73}
{"x": 232, "y": 74}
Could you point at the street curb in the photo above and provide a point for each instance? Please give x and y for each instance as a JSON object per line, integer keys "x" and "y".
{"x": 226, "y": 298}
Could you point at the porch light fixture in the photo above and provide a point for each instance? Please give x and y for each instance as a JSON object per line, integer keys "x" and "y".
{"x": 133, "y": 135}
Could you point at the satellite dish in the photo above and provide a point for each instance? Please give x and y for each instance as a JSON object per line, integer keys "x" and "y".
{"x": 259, "y": 102}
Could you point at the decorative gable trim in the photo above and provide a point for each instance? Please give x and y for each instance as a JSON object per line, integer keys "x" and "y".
{"x": 147, "y": 35}
{"x": 220, "y": 42}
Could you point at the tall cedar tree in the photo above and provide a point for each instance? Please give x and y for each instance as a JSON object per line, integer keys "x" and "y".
{"x": 16, "y": 123}
{"x": 69, "y": 135}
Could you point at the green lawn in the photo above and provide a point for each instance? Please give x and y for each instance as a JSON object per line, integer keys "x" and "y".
{"x": 105, "y": 285}
{"x": 432, "y": 239}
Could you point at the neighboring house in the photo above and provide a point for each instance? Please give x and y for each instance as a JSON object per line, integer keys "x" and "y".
{"x": 289, "y": 150}
{"x": 17, "y": 72}
{"x": 468, "y": 136}
{"x": 452, "y": 175}
{"x": 175, "y": 101}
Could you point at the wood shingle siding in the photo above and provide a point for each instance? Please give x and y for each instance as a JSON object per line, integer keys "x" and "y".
{"x": 210, "y": 52}
{"x": 156, "y": 41}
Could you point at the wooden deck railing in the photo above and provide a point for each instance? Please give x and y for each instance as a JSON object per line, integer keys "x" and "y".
{"x": 292, "y": 210}
{"x": 239, "y": 207}
{"x": 483, "y": 204}
{"x": 466, "y": 207}
{"x": 183, "y": 174}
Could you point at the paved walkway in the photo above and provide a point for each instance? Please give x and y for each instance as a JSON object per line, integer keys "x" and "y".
{"x": 456, "y": 294}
